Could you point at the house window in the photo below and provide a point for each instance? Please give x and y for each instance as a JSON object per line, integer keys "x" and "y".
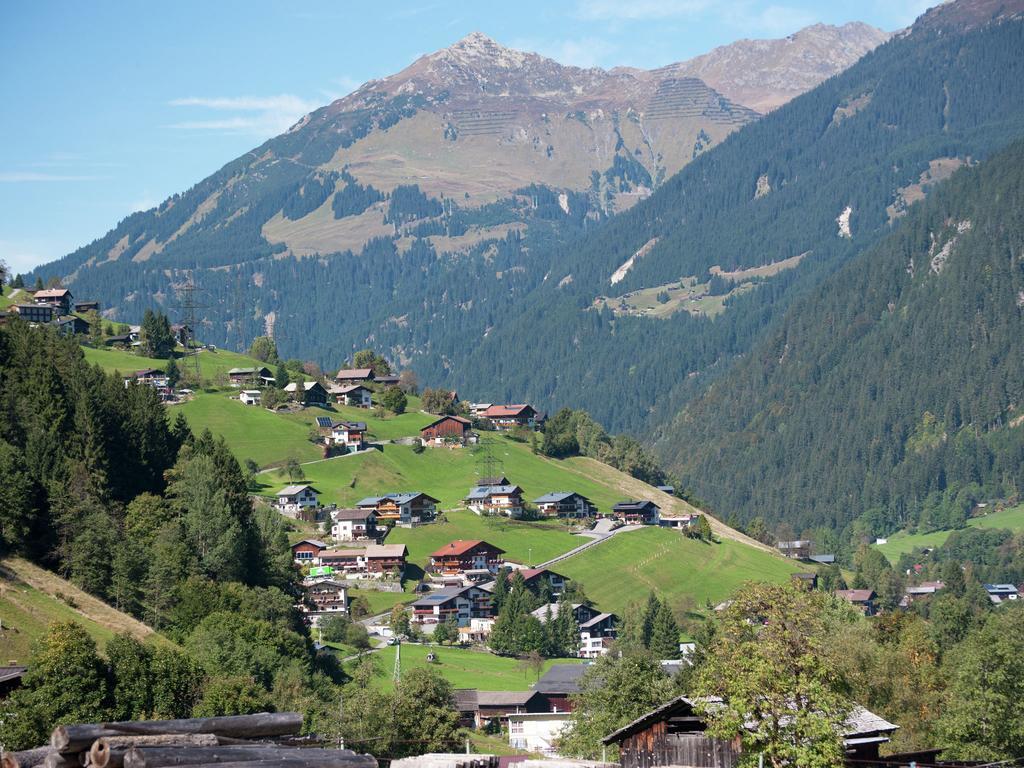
{"x": 515, "y": 726}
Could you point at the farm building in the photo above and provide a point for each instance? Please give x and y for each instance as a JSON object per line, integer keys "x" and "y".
{"x": 409, "y": 508}
{"x": 504, "y": 500}
{"x": 355, "y": 395}
{"x": 307, "y": 392}
{"x": 637, "y": 512}
{"x": 446, "y": 430}
{"x": 354, "y": 375}
{"x": 565, "y": 504}
{"x": 462, "y": 555}
{"x": 674, "y": 734}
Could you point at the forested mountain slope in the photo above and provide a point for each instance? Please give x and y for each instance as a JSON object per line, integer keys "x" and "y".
{"x": 443, "y": 184}
{"x": 894, "y": 393}
{"x": 816, "y": 181}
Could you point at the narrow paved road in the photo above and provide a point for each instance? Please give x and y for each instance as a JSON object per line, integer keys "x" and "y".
{"x": 594, "y": 541}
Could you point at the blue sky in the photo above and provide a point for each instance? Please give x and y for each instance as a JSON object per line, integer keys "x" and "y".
{"x": 110, "y": 107}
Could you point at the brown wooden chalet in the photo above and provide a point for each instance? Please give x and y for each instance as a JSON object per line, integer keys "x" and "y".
{"x": 354, "y": 375}
{"x": 462, "y": 555}
{"x": 674, "y": 735}
{"x": 478, "y": 709}
{"x": 446, "y": 429}
{"x": 307, "y": 392}
{"x": 637, "y": 512}
{"x": 307, "y": 551}
{"x": 510, "y": 416}
{"x": 861, "y": 599}
{"x": 407, "y": 508}
{"x": 88, "y": 306}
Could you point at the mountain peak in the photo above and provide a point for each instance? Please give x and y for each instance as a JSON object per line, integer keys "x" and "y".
{"x": 477, "y": 48}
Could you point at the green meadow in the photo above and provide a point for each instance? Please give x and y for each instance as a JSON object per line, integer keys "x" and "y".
{"x": 212, "y": 365}
{"x": 627, "y": 567}
{"x": 462, "y": 667}
{"x": 1011, "y": 518}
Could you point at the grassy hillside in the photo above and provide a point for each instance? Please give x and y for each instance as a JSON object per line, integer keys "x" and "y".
{"x": 463, "y": 668}
{"x": 449, "y": 474}
{"x": 524, "y": 542}
{"x": 271, "y": 438}
{"x": 32, "y": 598}
{"x": 212, "y": 365}
{"x": 624, "y": 569}
{"x": 898, "y": 543}
{"x": 253, "y": 433}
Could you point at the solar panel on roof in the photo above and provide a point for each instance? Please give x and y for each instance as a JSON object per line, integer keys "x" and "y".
{"x": 323, "y": 421}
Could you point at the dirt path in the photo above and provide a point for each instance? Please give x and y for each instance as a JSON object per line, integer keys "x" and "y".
{"x": 632, "y": 488}
{"x": 88, "y": 606}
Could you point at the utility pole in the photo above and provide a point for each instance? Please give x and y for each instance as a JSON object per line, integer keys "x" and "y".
{"x": 398, "y": 662}
{"x": 187, "y": 307}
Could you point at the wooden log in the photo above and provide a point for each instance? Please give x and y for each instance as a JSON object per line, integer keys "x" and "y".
{"x": 55, "y": 759}
{"x": 308, "y": 761}
{"x": 25, "y": 758}
{"x": 165, "y": 757}
{"x": 77, "y": 738}
{"x": 178, "y": 739}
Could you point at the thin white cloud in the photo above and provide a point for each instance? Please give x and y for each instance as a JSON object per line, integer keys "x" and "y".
{"x": 259, "y": 115}
{"x": 24, "y": 256}
{"x": 285, "y": 102}
{"x": 18, "y": 177}
{"x": 638, "y": 10}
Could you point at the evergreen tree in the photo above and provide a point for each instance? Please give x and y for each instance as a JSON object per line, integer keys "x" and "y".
{"x": 664, "y": 634}
{"x": 281, "y": 378}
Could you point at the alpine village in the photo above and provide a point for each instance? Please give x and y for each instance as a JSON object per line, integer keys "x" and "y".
{"x": 506, "y": 411}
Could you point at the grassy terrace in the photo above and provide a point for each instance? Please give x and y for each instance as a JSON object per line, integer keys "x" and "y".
{"x": 449, "y": 474}
{"x": 463, "y": 668}
{"x": 1012, "y": 518}
{"x": 212, "y": 365}
{"x": 271, "y": 438}
{"x": 626, "y": 568}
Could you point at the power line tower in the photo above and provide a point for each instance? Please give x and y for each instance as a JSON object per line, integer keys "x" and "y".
{"x": 187, "y": 307}
{"x": 489, "y": 464}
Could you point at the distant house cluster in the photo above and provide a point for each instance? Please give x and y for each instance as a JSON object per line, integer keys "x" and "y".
{"x": 56, "y": 307}
{"x": 373, "y": 561}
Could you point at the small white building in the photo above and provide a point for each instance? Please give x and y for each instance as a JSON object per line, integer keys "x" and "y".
{"x": 293, "y": 499}
{"x": 353, "y": 524}
{"x": 250, "y": 396}
{"x": 537, "y": 731}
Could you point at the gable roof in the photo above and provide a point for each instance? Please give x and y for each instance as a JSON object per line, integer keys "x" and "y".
{"x": 561, "y": 678}
{"x": 492, "y": 480}
{"x": 352, "y": 514}
{"x": 314, "y": 542}
{"x": 398, "y": 498}
{"x": 291, "y": 490}
{"x": 351, "y": 426}
{"x": 860, "y": 722}
{"x": 462, "y": 546}
{"x": 486, "y": 491}
{"x": 634, "y": 506}
{"x": 464, "y": 422}
{"x": 354, "y": 373}
{"x": 440, "y": 596}
{"x": 347, "y": 389}
{"x": 507, "y": 411}
{"x": 51, "y": 293}
{"x": 249, "y": 371}
{"x": 855, "y": 595}
{"x": 558, "y": 496}
{"x": 386, "y": 550}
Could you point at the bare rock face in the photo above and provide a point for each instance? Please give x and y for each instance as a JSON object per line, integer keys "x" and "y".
{"x": 765, "y": 74}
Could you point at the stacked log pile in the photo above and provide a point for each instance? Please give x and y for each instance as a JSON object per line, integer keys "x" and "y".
{"x": 266, "y": 740}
